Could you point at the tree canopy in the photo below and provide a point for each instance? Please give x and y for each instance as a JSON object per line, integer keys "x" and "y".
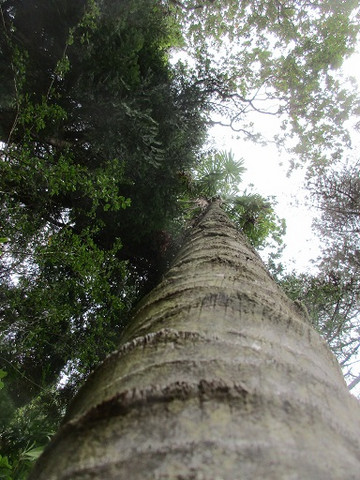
{"x": 280, "y": 59}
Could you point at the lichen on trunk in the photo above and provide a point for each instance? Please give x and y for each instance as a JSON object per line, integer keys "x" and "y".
{"x": 219, "y": 375}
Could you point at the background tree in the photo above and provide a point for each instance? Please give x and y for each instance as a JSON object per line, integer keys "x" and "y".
{"x": 332, "y": 304}
{"x": 278, "y": 59}
{"x": 331, "y": 296}
{"x": 336, "y": 195}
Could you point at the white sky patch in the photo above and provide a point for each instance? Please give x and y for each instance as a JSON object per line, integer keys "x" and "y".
{"x": 269, "y": 178}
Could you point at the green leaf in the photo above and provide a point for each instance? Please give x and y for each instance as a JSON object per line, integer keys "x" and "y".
{"x": 3, "y": 374}
{"x": 5, "y": 468}
{"x": 33, "y": 453}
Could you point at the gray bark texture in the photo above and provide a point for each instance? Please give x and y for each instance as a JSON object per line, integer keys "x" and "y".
{"x": 219, "y": 377}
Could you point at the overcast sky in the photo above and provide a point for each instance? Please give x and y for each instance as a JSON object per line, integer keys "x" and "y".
{"x": 267, "y": 171}
{"x": 269, "y": 178}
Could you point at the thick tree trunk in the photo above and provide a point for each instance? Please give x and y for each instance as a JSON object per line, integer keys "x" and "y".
{"x": 220, "y": 376}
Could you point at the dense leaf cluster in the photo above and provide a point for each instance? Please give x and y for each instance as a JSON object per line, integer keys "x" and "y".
{"x": 219, "y": 174}
{"x": 279, "y": 59}
{"x": 96, "y": 126}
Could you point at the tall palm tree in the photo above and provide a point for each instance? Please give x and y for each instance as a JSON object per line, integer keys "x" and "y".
{"x": 219, "y": 376}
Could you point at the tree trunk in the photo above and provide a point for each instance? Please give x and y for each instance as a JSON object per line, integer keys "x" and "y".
{"x": 219, "y": 376}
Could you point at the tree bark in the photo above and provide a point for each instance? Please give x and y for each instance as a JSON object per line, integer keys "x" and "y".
{"x": 219, "y": 376}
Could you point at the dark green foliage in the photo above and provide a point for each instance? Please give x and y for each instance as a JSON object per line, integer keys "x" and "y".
{"x": 26, "y": 431}
{"x": 96, "y": 126}
{"x": 102, "y": 118}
